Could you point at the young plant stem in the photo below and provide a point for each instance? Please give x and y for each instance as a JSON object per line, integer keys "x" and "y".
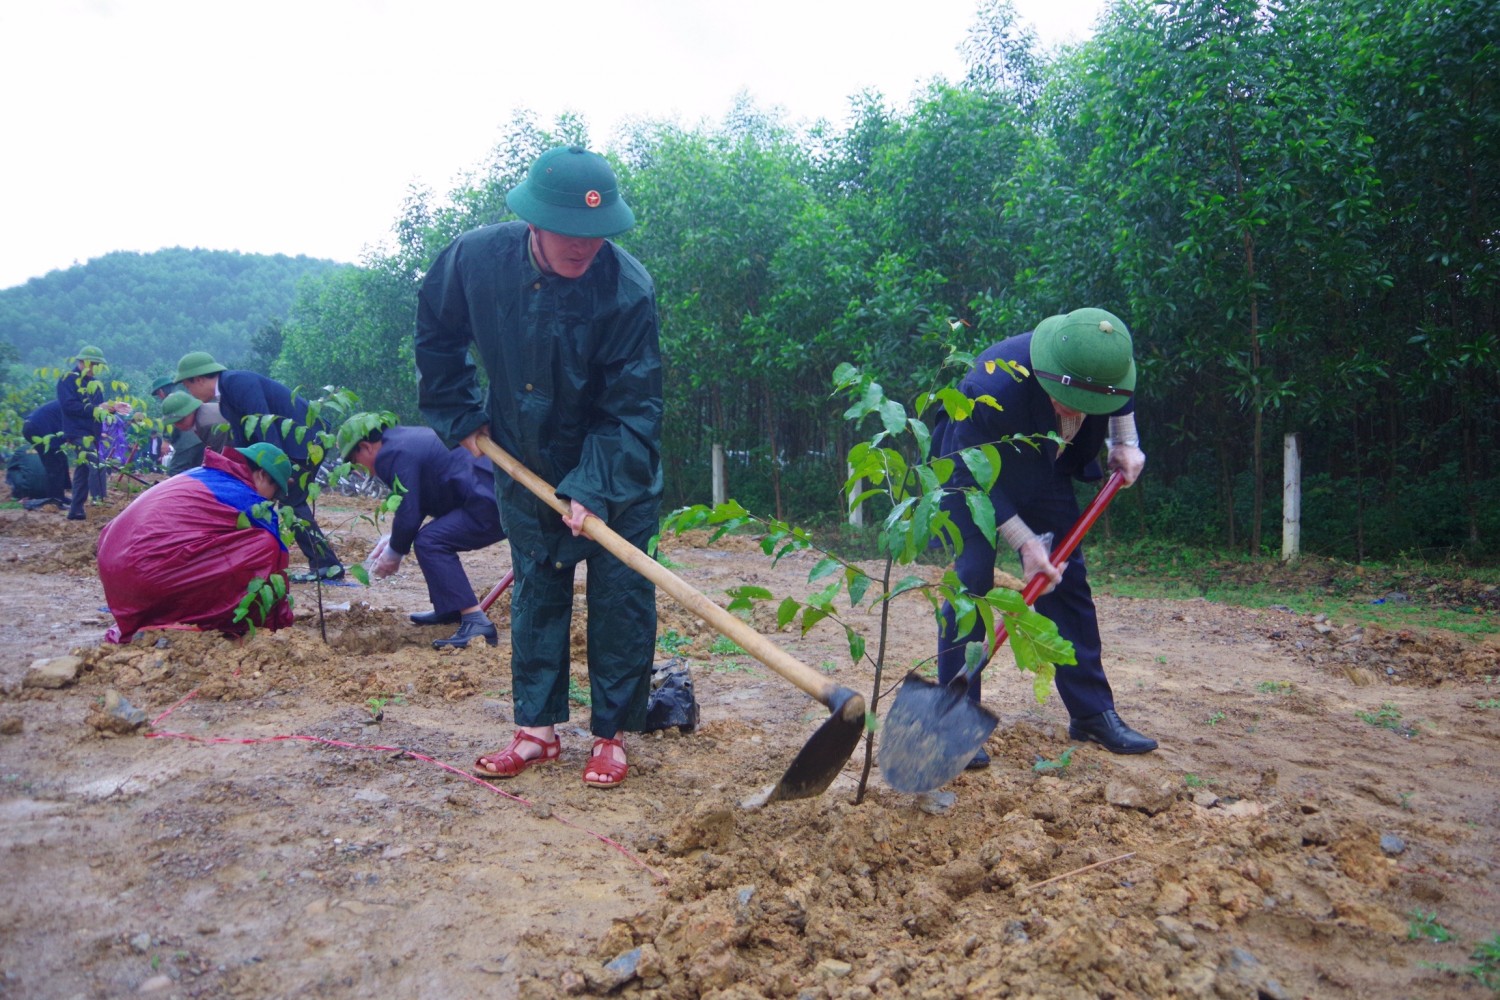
{"x": 874, "y": 709}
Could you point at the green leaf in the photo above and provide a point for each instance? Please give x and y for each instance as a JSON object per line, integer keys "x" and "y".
{"x": 856, "y": 644}
{"x": 1041, "y": 682}
{"x": 982, "y": 513}
{"x": 857, "y": 583}
{"x": 980, "y": 466}
{"x": 786, "y": 612}
{"x": 893, "y": 417}
{"x": 905, "y": 585}
{"x": 811, "y": 617}
{"x": 823, "y": 568}
{"x": 360, "y": 573}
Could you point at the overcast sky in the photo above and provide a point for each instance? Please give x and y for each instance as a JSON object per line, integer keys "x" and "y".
{"x": 297, "y": 126}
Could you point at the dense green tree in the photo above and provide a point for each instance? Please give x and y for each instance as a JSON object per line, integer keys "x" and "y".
{"x": 146, "y": 310}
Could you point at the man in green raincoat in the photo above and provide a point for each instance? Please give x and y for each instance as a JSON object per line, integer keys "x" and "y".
{"x": 565, "y": 324}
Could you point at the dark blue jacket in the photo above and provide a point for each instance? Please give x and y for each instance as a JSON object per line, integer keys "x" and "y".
{"x": 436, "y": 479}
{"x": 243, "y": 394}
{"x": 78, "y": 396}
{"x": 45, "y": 420}
{"x": 1025, "y": 409}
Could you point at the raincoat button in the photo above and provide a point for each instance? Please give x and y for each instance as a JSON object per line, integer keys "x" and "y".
{"x": 528, "y": 386}
{"x": 537, "y": 287}
{"x": 558, "y": 565}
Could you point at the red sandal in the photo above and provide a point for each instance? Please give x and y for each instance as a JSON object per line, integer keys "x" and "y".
{"x": 508, "y": 762}
{"x": 601, "y": 762}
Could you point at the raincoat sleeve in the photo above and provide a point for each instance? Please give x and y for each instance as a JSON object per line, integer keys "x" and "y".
{"x": 247, "y": 394}
{"x": 620, "y": 464}
{"x": 403, "y": 471}
{"x": 448, "y": 392}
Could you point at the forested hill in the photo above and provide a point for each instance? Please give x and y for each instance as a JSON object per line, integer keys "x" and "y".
{"x": 145, "y": 310}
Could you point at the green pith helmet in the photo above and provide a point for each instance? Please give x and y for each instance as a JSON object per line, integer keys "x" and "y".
{"x": 195, "y": 363}
{"x": 572, "y": 192}
{"x": 266, "y": 456}
{"x": 356, "y": 429}
{"x": 178, "y": 405}
{"x": 90, "y": 353}
{"x": 165, "y": 382}
{"x": 1085, "y": 360}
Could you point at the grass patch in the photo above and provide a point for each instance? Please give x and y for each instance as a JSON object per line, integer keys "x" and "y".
{"x": 725, "y": 646}
{"x": 1425, "y": 927}
{"x": 1448, "y": 596}
{"x": 672, "y": 643}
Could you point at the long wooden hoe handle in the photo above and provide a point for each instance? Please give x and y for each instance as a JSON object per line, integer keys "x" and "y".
{"x": 752, "y": 642}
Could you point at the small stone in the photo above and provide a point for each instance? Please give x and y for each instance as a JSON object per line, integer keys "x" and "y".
{"x": 832, "y": 968}
{"x": 155, "y": 984}
{"x": 371, "y": 795}
{"x": 1129, "y": 795}
{"x": 11, "y": 725}
{"x": 123, "y": 711}
{"x": 141, "y": 942}
{"x": 1177, "y": 932}
{"x": 620, "y": 970}
{"x": 1392, "y": 844}
{"x": 53, "y": 673}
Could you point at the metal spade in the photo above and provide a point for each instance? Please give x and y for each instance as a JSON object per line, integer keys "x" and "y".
{"x": 933, "y": 730}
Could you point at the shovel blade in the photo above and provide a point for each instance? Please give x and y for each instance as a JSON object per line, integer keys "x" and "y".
{"x": 823, "y": 756}
{"x": 931, "y": 732}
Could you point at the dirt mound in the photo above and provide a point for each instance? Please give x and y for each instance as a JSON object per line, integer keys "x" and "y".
{"x": 276, "y": 840}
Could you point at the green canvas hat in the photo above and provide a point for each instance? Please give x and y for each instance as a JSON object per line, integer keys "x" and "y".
{"x": 195, "y": 363}
{"x": 572, "y": 192}
{"x": 356, "y": 429}
{"x": 90, "y": 353}
{"x": 266, "y": 456}
{"x": 1085, "y": 360}
{"x": 165, "y": 382}
{"x": 178, "y": 405}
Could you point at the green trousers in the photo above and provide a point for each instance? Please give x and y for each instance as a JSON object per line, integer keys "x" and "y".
{"x": 621, "y": 640}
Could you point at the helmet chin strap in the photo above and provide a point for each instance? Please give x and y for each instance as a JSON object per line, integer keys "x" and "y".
{"x": 537, "y": 252}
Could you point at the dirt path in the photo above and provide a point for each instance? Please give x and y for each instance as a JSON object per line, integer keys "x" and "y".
{"x": 269, "y": 843}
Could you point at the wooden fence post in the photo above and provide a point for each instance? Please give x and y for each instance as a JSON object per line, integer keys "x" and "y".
{"x": 720, "y": 488}
{"x": 1291, "y": 498}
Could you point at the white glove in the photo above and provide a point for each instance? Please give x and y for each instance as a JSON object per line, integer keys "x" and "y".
{"x": 387, "y": 563}
{"x": 1129, "y": 460}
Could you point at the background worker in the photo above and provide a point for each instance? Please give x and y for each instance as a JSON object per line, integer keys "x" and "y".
{"x": 1079, "y": 382}
{"x": 447, "y": 507}
{"x": 43, "y": 427}
{"x": 198, "y": 427}
{"x": 565, "y": 324}
{"x": 186, "y": 550}
{"x": 79, "y": 392}
{"x": 241, "y": 394}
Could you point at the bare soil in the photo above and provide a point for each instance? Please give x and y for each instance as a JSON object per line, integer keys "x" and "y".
{"x": 260, "y": 837}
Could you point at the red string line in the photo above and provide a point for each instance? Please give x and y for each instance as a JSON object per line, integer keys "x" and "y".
{"x": 154, "y": 734}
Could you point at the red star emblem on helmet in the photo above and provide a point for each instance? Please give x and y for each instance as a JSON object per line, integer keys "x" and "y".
{"x": 592, "y": 199}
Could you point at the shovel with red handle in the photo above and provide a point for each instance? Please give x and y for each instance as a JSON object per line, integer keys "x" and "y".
{"x": 933, "y": 730}
{"x": 824, "y": 755}
{"x": 498, "y": 589}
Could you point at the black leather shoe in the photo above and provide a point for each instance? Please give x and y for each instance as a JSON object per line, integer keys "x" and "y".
{"x": 467, "y": 631}
{"x": 980, "y": 762}
{"x": 1109, "y": 731}
{"x": 434, "y": 618}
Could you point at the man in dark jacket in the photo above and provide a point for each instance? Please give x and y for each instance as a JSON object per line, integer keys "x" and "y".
{"x": 43, "y": 427}
{"x": 447, "y": 507}
{"x": 80, "y": 392}
{"x": 241, "y": 394}
{"x": 565, "y": 324}
{"x": 196, "y": 427}
{"x": 1073, "y": 376}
